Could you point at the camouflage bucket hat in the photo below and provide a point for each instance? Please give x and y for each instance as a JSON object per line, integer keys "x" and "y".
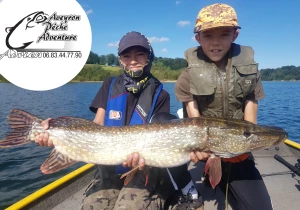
{"x": 216, "y": 15}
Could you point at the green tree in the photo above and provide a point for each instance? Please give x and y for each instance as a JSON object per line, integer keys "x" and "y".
{"x": 102, "y": 60}
{"x": 116, "y": 62}
{"x": 93, "y": 58}
{"x": 110, "y": 58}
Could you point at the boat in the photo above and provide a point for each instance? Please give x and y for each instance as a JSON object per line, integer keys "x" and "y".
{"x": 277, "y": 165}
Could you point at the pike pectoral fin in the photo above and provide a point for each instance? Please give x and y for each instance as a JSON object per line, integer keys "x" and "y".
{"x": 129, "y": 175}
{"x": 55, "y": 162}
{"x": 146, "y": 172}
{"x": 214, "y": 170}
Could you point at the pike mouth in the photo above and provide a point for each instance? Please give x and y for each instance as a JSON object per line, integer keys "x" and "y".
{"x": 276, "y": 136}
{"x": 283, "y": 137}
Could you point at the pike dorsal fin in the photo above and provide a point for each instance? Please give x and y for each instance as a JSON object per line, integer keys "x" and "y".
{"x": 55, "y": 162}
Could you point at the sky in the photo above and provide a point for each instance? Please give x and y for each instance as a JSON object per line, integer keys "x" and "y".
{"x": 271, "y": 28}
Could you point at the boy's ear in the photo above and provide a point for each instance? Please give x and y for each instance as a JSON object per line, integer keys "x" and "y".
{"x": 235, "y": 35}
{"x": 197, "y": 37}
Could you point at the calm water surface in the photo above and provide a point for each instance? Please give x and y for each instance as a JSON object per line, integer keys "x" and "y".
{"x": 19, "y": 167}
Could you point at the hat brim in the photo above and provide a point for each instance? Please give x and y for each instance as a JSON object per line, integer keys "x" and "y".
{"x": 133, "y": 45}
{"x": 205, "y": 28}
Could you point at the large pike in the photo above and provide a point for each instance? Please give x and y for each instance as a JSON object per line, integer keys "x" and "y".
{"x": 165, "y": 144}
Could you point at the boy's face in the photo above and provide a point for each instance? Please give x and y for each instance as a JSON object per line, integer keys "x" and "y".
{"x": 216, "y": 42}
{"x": 134, "y": 58}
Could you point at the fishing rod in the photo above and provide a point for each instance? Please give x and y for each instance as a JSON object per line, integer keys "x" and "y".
{"x": 290, "y": 166}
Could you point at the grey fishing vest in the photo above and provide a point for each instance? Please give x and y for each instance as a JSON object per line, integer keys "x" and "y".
{"x": 219, "y": 93}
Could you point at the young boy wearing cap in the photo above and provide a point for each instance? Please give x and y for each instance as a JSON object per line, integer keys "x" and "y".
{"x": 128, "y": 99}
{"x": 222, "y": 80}
{"x": 124, "y": 100}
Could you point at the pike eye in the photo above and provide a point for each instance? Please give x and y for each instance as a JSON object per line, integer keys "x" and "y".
{"x": 247, "y": 133}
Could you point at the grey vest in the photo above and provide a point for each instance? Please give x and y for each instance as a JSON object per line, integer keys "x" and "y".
{"x": 219, "y": 93}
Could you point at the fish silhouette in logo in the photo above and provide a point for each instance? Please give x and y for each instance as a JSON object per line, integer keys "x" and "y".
{"x": 26, "y": 28}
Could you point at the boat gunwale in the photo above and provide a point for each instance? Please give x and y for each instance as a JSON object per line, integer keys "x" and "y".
{"x": 49, "y": 188}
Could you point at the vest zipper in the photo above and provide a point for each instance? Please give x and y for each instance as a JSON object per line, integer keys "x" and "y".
{"x": 224, "y": 90}
{"x": 226, "y": 94}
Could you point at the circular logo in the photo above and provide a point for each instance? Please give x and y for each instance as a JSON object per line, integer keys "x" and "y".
{"x": 43, "y": 44}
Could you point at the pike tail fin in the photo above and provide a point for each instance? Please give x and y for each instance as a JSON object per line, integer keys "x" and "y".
{"x": 21, "y": 124}
{"x": 213, "y": 168}
{"x": 56, "y": 162}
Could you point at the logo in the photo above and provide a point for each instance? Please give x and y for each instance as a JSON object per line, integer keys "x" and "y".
{"x": 141, "y": 110}
{"x": 115, "y": 115}
{"x": 248, "y": 82}
{"x": 45, "y": 45}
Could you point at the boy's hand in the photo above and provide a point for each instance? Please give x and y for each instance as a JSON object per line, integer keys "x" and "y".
{"x": 196, "y": 156}
{"x": 43, "y": 138}
{"x": 134, "y": 160}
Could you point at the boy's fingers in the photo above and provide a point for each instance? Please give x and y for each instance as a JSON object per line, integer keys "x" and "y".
{"x": 37, "y": 139}
{"x": 45, "y": 142}
{"x": 135, "y": 159}
{"x": 193, "y": 157}
{"x": 199, "y": 155}
{"x": 202, "y": 155}
{"x": 50, "y": 143}
{"x": 141, "y": 163}
{"x": 124, "y": 164}
{"x": 41, "y": 141}
{"x": 129, "y": 160}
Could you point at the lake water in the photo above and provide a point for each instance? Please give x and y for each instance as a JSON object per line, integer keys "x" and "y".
{"x": 20, "y": 173}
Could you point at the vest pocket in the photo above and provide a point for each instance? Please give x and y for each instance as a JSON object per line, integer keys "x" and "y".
{"x": 245, "y": 79}
{"x": 202, "y": 81}
{"x": 205, "y": 105}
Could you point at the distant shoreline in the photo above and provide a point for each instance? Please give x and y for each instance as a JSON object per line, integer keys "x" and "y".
{"x": 170, "y": 81}
{"x": 173, "y": 81}
{"x": 162, "y": 81}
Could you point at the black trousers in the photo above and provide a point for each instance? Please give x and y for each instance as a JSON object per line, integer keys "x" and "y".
{"x": 246, "y": 188}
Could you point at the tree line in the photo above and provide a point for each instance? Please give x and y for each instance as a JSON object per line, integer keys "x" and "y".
{"x": 164, "y": 72}
{"x": 98, "y": 73}
{"x": 112, "y": 60}
{"x": 284, "y": 73}
{"x": 165, "y": 69}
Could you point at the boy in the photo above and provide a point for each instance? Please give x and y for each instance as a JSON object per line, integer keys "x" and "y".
{"x": 222, "y": 80}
